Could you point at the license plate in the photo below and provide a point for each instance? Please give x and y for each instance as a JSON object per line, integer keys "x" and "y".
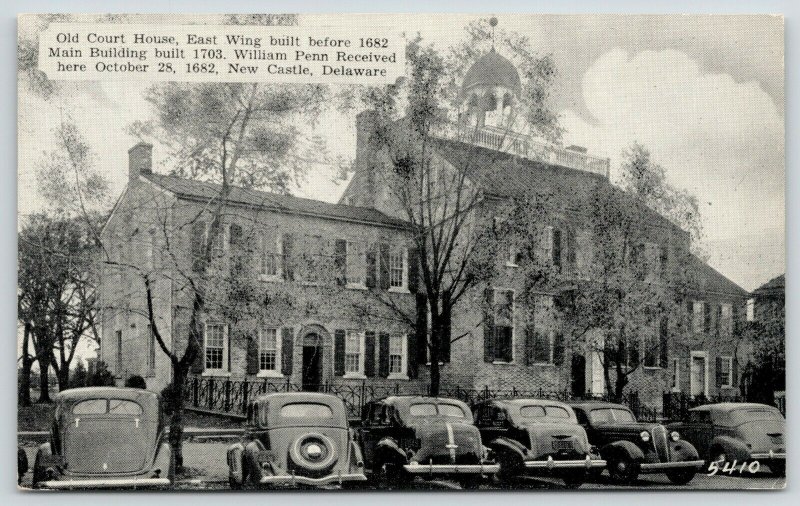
{"x": 562, "y": 445}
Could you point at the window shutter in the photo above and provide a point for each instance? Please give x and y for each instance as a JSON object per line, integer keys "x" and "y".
{"x": 199, "y": 364}
{"x": 230, "y": 348}
{"x": 735, "y": 379}
{"x": 383, "y": 354}
{"x": 198, "y": 245}
{"x": 287, "y": 351}
{"x": 689, "y": 314}
{"x": 384, "y": 266}
{"x": 413, "y": 270}
{"x": 735, "y": 316}
{"x": 372, "y": 268}
{"x": 288, "y": 260}
{"x": 707, "y": 317}
{"x": 558, "y": 348}
{"x": 718, "y": 321}
{"x": 556, "y": 233}
{"x": 369, "y": 353}
{"x": 340, "y": 261}
{"x": 338, "y": 352}
{"x": 541, "y": 351}
{"x": 663, "y": 335}
{"x": 719, "y": 371}
{"x": 530, "y": 343}
{"x": 235, "y": 236}
{"x": 253, "y": 365}
{"x": 488, "y": 327}
{"x": 421, "y": 330}
{"x": 444, "y": 345}
{"x": 571, "y": 247}
{"x": 413, "y": 366}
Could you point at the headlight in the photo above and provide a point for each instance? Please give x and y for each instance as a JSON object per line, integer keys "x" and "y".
{"x": 675, "y": 436}
{"x": 645, "y": 436}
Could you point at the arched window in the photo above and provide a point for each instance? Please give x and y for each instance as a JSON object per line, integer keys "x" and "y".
{"x": 507, "y": 100}
{"x": 491, "y": 102}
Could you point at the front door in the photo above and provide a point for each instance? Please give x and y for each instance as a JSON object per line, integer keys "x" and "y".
{"x": 578, "y": 375}
{"x": 698, "y": 375}
{"x": 312, "y": 368}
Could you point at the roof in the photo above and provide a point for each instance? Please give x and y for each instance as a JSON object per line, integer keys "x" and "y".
{"x": 775, "y": 286}
{"x": 492, "y": 69}
{"x": 505, "y": 175}
{"x": 202, "y": 190}
{"x": 710, "y": 280}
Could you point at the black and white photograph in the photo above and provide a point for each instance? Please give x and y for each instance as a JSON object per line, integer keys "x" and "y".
{"x": 400, "y": 252}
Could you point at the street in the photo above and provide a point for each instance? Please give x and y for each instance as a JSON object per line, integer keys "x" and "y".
{"x": 207, "y": 470}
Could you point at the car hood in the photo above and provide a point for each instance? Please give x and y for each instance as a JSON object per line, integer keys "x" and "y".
{"x": 108, "y": 446}
{"x": 553, "y": 438}
{"x": 448, "y": 442}
{"x": 625, "y": 427}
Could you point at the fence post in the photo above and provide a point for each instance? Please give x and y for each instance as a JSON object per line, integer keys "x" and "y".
{"x": 485, "y": 392}
{"x": 245, "y": 393}
{"x": 195, "y": 392}
{"x": 211, "y": 393}
{"x": 227, "y": 405}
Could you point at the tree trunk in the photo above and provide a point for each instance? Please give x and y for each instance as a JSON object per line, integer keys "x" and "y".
{"x": 176, "y": 403}
{"x": 24, "y": 384}
{"x": 44, "y": 381}
{"x": 619, "y": 384}
{"x": 435, "y": 347}
{"x": 63, "y": 377}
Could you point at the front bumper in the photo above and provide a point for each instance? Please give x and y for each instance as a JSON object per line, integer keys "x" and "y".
{"x": 771, "y": 455}
{"x": 417, "y": 468}
{"x": 587, "y": 463}
{"x": 659, "y": 467}
{"x": 67, "y": 483}
{"x": 293, "y": 479}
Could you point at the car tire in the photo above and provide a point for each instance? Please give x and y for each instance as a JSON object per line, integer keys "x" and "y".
{"x": 470, "y": 482}
{"x": 510, "y": 466}
{"x": 233, "y": 484}
{"x": 38, "y": 472}
{"x": 622, "y": 469}
{"x": 392, "y": 477}
{"x": 574, "y": 479}
{"x": 681, "y": 476}
{"x": 717, "y": 455}
{"x": 777, "y": 469}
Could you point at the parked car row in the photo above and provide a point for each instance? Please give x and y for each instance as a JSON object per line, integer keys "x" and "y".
{"x": 105, "y": 437}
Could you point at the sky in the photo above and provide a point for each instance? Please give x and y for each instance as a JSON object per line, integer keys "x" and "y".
{"x": 704, "y": 93}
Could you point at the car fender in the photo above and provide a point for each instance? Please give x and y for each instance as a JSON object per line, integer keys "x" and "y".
{"x": 163, "y": 461}
{"x": 235, "y": 462}
{"x": 356, "y": 457}
{"x": 733, "y": 448}
{"x": 625, "y": 448}
{"x": 388, "y": 451}
{"x": 22, "y": 462}
{"x": 682, "y": 450}
{"x": 510, "y": 447}
{"x": 42, "y": 452}
{"x": 250, "y": 463}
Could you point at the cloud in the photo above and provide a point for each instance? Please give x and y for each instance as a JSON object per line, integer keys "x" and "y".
{"x": 719, "y": 138}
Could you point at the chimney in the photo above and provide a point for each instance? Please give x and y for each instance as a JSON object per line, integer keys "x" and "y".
{"x": 140, "y": 161}
{"x": 366, "y": 157}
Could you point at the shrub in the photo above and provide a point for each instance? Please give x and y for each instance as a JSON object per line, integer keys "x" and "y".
{"x": 101, "y": 377}
{"x": 136, "y": 381}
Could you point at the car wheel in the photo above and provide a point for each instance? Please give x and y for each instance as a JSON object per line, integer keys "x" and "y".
{"x": 233, "y": 484}
{"x": 623, "y": 469}
{"x": 470, "y": 482}
{"x": 777, "y": 468}
{"x": 392, "y": 477}
{"x": 38, "y": 472}
{"x": 718, "y": 455}
{"x": 574, "y": 479}
{"x": 681, "y": 477}
{"x": 510, "y": 466}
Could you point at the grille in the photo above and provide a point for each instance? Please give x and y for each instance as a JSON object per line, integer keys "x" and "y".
{"x": 659, "y": 435}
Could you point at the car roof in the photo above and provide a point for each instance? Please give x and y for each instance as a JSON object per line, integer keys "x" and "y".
{"x": 74, "y": 394}
{"x": 406, "y": 400}
{"x": 596, "y": 404}
{"x": 288, "y": 397}
{"x": 730, "y": 406}
{"x": 523, "y": 401}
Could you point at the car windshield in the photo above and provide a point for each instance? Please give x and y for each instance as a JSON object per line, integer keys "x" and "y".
{"x": 544, "y": 411}
{"x": 610, "y": 415}
{"x": 107, "y": 406}
{"x": 739, "y": 416}
{"x": 306, "y": 410}
{"x": 431, "y": 409}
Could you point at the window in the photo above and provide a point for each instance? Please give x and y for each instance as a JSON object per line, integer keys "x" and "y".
{"x": 119, "y": 353}
{"x": 151, "y": 350}
{"x": 544, "y": 411}
{"x": 725, "y": 372}
{"x": 90, "y": 407}
{"x": 398, "y": 277}
{"x": 751, "y": 310}
{"x": 354, "y": 352}
{"x": 356, "y": 265}
{"x": 513, "y": 255}
{"x": 269, "y": 259}
{"x": 504, "y": 325}
{"x": 676, "y": 375}
{"x": 543, "y": 347}
{"x": 396, "y": 354}
{"x": 726, "y": 320}
{"x": 216, "y": 346}
{"x": 123, "y": 407}
{"x": 306, "y": 410}
{"x": 268, "y": 352}
{"x": 697, "y": 319}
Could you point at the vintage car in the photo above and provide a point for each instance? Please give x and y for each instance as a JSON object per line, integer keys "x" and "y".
{"x": 630, "y": 447}
{"x": 105, "y": 437}
{"x": 741, "y": 432}
{"x": 295, "y": 439}
{"x": 536, "y": 437}
{"x": 430, "y": 437}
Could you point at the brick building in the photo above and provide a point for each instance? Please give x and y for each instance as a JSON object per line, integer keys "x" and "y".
{"x": 320, "y": 267}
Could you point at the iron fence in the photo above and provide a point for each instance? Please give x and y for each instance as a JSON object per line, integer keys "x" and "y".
{"x": 231, "y": 396}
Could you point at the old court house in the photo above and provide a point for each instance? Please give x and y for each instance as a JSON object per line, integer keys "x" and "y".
{"x": 323, "y": 265}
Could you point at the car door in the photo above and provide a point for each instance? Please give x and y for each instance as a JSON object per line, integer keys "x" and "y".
{"x": 699, "y": 431}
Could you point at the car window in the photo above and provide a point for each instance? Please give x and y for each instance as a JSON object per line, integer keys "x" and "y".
{"x": 306, "y": 410}
{"x": 623, "y": 415}
{"x": 581, "y": 417}
{"x": 739, "y": 416}
{"x": 122, "y": 407}
{"x": 532, "y": 411}
{"x": 451, "y": 410}
{"x": 557, "y": 412}
{"x": 699, "y": 416}
{"x": 422, "y": 409}
{"x": 601, "y": 415}
{"x": 90, "y": 407}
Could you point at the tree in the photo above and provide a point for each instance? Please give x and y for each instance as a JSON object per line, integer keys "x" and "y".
{"x": 767, "y": 372}
{"x": 443, "y": 200}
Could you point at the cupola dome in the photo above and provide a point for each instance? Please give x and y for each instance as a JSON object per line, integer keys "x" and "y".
{"x": 492, "y": 70}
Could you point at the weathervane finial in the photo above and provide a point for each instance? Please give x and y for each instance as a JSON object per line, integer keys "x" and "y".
{"x": 493, "y": 23}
